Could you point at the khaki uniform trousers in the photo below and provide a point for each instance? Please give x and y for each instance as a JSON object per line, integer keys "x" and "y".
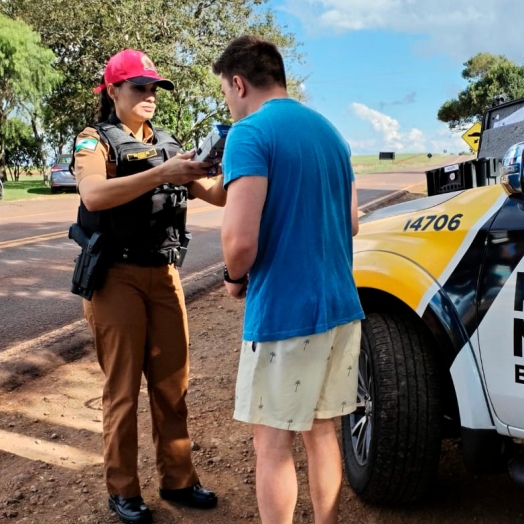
{"x": 139, "y": 322}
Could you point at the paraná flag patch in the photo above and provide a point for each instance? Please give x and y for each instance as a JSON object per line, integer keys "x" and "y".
{"x": 87, "y": 143}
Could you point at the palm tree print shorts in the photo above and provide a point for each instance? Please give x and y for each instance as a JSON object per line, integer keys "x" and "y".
{"x": 288, "y": 383}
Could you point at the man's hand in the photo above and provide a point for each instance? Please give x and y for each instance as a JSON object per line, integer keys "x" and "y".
{"x": 237, "y": 290}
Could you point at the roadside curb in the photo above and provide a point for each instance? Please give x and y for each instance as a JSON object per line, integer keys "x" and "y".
{"x": 382, "y": 201}
{"x": 419, "y": 188}
{"x": 203, "y": 281}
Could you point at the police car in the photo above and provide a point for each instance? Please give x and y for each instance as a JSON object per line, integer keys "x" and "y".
{"x": 441, "y": 280}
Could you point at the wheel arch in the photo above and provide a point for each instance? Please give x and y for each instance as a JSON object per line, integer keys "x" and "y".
{"x": 441, "y": 333}
{"x": 387, "y": 280}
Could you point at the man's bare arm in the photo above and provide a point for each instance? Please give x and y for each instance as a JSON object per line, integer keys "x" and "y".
{"x": 211, "y": 191}
{"x": 241, "y": 225}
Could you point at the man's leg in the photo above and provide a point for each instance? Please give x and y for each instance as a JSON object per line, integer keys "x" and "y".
{"x": 338, "y": 398}
{"x": 276, "y": 479}
{"x": 324, "y": 469}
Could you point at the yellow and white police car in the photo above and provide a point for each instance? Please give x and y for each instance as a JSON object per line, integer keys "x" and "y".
{"x": 441, "y": 280}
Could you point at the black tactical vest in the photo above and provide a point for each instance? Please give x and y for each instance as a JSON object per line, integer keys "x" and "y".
{"x": 152, "y": 222}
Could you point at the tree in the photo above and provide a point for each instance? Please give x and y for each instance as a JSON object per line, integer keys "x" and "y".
{"x": 183, "y": 37}
{"x": 488, "y": 76}
{"x": 23, "y": 149}
{"x": 26, "y": 74}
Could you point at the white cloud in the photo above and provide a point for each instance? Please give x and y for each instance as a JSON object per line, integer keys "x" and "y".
{"x": 386, "y": 125}
{"x": 460, "y": 28}
{"x": 389, "y": 129}
{"x": 391, "y": 137}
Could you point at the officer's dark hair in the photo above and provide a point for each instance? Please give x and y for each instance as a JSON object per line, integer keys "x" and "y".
{"x": 253, "y": 58}
{"x": 106, "y": 105}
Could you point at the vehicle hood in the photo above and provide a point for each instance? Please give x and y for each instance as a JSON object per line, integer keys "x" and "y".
{"x": 431, "y": 231}
{"x": 408, "y": 207}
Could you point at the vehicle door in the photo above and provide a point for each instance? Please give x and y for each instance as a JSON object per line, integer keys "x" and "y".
{"x": 500, "y": 315}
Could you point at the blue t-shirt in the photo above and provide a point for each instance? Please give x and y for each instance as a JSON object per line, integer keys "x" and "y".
{"x": 301, "y": 282}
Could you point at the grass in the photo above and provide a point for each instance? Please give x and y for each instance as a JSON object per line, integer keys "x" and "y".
{"x": 371, "y": 164}
{"x": 26, "y": 188}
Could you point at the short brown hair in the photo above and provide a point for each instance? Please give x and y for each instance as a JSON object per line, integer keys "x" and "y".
{"x": 257, "y": 60}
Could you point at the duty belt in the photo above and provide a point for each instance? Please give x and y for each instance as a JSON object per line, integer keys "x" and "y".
{"x": 154, "y": 258}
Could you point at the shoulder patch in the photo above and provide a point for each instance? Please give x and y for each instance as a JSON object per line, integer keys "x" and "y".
{"x": 86, "y": 143}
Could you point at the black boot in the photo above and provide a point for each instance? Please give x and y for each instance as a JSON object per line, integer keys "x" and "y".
{"x": 194, "y": 496}
{"x": 130, "y": 511}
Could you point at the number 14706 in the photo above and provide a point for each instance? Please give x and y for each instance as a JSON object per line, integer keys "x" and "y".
{"x": 435, "y": 222}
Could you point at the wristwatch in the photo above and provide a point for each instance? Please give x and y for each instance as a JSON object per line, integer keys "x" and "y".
{"x": 227, "y": 278}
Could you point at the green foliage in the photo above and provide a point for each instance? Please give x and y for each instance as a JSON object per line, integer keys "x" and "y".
{"x": 23, "y": 149}
{"x": 488, "y": 76}
{"x": 183, "y": 38}
{"x": 26, "y": 73}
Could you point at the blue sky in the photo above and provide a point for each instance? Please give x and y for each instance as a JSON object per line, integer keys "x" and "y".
{"x": 381, "y": 69}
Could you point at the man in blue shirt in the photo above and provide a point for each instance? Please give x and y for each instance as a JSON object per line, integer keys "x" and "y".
{"x": 290, "y": 216}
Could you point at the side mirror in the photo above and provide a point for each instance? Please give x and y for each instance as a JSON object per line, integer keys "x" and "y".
{"x": 512, "y": 183}
{"x": 511, "y": 176}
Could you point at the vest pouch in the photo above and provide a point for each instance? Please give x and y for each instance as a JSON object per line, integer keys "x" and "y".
{"x": 166, "y": 200}
{"x": 130, "y": 223}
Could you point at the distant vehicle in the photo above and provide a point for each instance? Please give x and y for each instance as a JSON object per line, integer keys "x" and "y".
{"x": 61, "y": 178}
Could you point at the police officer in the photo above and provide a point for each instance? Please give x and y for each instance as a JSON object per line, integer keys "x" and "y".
{"x": 134, "y": 181}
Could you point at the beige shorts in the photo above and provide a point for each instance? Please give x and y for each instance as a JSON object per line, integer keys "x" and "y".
{"x": 288, "y": 383}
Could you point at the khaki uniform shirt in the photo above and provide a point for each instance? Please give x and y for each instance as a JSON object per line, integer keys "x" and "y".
{"x": 92, "y": 155}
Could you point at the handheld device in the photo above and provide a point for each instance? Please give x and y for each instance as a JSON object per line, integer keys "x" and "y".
{"x": 212, "y": 147}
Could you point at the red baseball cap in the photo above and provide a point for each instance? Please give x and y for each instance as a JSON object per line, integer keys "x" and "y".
{"x": 135, "y": 67}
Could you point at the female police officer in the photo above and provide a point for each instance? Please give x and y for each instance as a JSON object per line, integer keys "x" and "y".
{"x": 134, "y": 181}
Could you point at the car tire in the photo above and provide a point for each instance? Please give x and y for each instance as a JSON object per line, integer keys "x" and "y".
{"x": 392, "y": 442}
{"x": 54, "y": 190}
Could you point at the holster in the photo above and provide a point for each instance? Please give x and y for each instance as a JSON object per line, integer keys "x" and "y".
{"x": 185, "y": 237}
{"x": 91, "y": 265}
